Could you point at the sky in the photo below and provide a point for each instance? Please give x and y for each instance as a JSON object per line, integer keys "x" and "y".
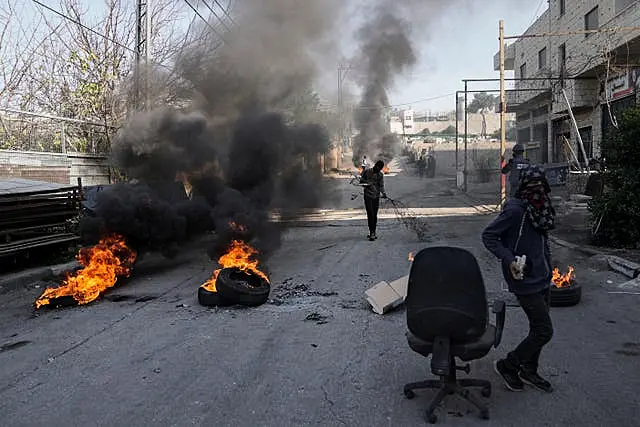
{"x": 461, "y": 46}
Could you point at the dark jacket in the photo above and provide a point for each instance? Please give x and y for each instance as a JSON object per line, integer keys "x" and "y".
{"x": 513, "y": 168}
{"x": 501, "y": 238}
{"x": 375, "y": 181}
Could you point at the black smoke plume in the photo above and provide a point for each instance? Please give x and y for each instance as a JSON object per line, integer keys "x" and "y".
{"x": 385, "y": 51}
{"x": 245, "y": 152}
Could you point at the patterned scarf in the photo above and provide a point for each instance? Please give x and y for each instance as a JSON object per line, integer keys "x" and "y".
{"x": 534, "y": 191}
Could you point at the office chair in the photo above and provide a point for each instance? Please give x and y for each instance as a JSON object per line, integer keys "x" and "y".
{"x": 447, "y": 318}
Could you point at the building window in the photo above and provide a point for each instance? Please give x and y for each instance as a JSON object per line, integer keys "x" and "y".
{"x": 542, "y": 58}
{"x": 591, "y": 20}
{"x": 562, "y": 7}
{"x": 623, "y": 4}
{"x": 523, "y": 71}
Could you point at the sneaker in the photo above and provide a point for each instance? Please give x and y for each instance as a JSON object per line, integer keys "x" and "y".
{"x": 536, "y": 381}
{"x": 373, "y": 236}
{"x": 510, "y": 377}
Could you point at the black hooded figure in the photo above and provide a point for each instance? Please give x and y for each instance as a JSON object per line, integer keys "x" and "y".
{"x": 373, "y": 180}
{"x": 522, "y": 228}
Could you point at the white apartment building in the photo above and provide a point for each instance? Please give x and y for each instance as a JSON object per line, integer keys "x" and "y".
{"x": 597, "y": 71}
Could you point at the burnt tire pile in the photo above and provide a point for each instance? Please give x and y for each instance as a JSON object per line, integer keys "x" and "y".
{"x": 566, "y": 296}
{"x": 236, "y": 287}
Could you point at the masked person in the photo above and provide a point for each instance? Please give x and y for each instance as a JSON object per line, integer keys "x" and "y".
{"x": 373, "y": 179}
{"x": 514, "y": 167}
{"x": 522, "y": 229}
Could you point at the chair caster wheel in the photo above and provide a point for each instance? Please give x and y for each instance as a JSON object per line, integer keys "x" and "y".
{"x": 409, "y": 394}
{"x": 486, "y": 392}
{"x": 484, "y": 414}
{"x": 432, "y": 418}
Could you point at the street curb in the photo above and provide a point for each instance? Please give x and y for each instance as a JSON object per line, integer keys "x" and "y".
{"x": 584, "y": 250}
{"x": 616, "y": 263}
{"x": 20, "y": 279}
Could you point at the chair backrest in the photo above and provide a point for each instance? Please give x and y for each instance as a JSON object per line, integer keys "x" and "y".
{"x": 446, "y": 295}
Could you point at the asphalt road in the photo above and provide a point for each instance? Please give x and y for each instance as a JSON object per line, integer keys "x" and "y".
{"x": 148, "y": 355}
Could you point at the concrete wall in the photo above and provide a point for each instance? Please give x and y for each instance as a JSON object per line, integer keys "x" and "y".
{"x": 54, "y": 167}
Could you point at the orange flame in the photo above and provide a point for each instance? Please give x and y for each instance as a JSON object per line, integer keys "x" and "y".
{"x": 562, "y": 280}
{"x": 385, "y": 170}
{"x": 411, "y": 258}
{"x": 103, "y": 264}
{"x": 240, "y": 255}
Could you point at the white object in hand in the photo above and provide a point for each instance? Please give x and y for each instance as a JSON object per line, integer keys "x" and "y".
{"x": 521, "y": 261}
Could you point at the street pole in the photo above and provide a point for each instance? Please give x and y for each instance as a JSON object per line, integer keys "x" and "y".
{"x": 457, "y": 115}
{"x": 143, "y": 29}
{"x": 503, "y": 120}
{"x": 340, "y": 112}
{"x": 466, "y": 132}
{"x": 147, "y": 65}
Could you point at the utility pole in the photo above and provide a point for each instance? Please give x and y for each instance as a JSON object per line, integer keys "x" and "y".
{"x": 457, "y": 133}
{"x": 340, "y": 109}
{"x": 143, "y": 31}
{"x": 503, "y": 119}
{"x": 342, "y": 75}
{"x": 466, "y": 132}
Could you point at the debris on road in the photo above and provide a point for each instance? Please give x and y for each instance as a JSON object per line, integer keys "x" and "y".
{"x": 410, "y": 221}
{"x": 320, "y": 319}
{"x": 288, "y": 290}
{"x": 386, "y": 296}
{"x": 628, "y": 268}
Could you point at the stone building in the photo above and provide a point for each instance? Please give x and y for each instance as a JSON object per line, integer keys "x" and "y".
{"x": 597, "y": 71}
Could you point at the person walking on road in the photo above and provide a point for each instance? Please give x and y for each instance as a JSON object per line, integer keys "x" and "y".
{"x": 373, "y": 180}
{"x": 521, "y": 229}
{"x": 513, "y": 167}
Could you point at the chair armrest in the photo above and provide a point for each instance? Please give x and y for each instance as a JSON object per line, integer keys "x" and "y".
{"x": 500, "y": 310}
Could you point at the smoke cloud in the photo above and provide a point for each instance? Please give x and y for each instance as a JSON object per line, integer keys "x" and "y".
{"x": 386, "y": 49}
{"x": 248, "y": 145}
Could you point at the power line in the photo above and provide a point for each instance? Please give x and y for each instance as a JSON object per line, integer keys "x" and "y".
{"x": 216, "y": 15}
{"x": 535, "y": 15}
{"x": 225, "y": 11}
{"x": 77, "y": 22}
{"x": 203, "y": 19}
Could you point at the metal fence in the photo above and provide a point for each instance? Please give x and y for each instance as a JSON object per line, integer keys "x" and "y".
{"x": 27, "y": 131}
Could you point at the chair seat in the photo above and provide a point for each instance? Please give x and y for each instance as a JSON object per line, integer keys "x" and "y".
{"x": 468, "y": 351}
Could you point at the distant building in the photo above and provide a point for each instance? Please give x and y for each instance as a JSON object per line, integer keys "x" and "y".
{"x": 594, "y": 69}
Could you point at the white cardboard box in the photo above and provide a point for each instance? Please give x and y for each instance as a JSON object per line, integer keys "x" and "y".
{"x": 386, "y": 296}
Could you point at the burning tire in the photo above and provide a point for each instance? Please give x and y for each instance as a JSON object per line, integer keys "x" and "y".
{"x": 241, "y": 287}
{"x": 566, "y": 296}
{"x": 212, "y": 299}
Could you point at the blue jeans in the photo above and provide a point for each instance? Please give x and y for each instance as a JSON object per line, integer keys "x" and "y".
{"x": 527, "y": 354}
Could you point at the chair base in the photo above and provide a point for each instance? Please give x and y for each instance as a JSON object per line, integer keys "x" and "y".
{"x": 449, "y": 385}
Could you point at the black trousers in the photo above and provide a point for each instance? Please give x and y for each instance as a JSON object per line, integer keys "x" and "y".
{"x": 527, "y": 354}
{"x": 372, "y": 204}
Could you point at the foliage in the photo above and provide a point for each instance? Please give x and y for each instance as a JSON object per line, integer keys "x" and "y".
{"x": 482, "y": 102}
{"x": 619, "y": 205}
{"x": 449, "y": 130}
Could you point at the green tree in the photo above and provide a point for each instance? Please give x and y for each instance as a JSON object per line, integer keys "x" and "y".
{"x": 482, "y": 103}
{"x": 617, "y": 211}
{"x": 449, "y": 130}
